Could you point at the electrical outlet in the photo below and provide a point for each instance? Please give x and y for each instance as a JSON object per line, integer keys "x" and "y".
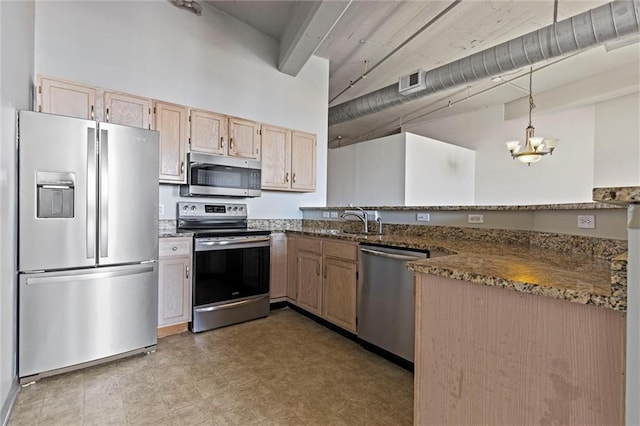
{"x": 423, "y": 217}
{"x": 334, "y": 215}
{"x": 325, "y": 215}
{"x": 160, "y": 208}
{"x": 587, "y": 221}
{"x": 475, "y": 218}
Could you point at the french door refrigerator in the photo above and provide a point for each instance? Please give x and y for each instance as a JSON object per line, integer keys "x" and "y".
{"x": 87, "y": 242}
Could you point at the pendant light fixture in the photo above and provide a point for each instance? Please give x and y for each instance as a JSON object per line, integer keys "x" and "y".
{"x": 534, "y": 147}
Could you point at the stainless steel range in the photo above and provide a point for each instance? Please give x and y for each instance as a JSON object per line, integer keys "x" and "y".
{"x": 230, "y": 264}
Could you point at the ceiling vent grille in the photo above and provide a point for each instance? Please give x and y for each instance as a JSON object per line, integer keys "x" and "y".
{"x": 411, "y": 83}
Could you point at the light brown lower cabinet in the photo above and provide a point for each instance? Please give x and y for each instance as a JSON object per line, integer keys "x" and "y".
{"x": 292, "y": 268}
{"x": 487, "y": 355}
{"x": 174, "y": 284}
{"x": 326, "y": 276}
{"x": 278, "y": 270}
{"x": 340, "y": 284}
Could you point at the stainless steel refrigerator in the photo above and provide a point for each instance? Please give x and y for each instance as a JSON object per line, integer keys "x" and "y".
{"x": 88, "y": 242}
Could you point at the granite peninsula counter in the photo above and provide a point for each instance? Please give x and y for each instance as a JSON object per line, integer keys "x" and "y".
{"x": 560, "y": 275}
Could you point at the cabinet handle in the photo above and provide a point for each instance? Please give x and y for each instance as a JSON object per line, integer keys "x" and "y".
{"x": 317, "y": 269}
{"x": 286, "y": 177}
{"x": 107, "y": 115}
{"x": 294, "y": 178}
{"x": 187, "y": 272}
{"x": 182, "y": 168}
{"x": 221, "y": 141}
{"x": 231, "y": 143}
{"x": 92, "y": 117}
{"x": 325, "y": 271}
{"x": 174, "y": 248}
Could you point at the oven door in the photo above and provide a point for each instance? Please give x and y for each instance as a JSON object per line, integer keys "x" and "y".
{"x": 231, "y": 280}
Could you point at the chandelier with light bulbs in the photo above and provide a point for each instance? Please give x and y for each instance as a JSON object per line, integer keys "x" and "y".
{"x": 534, "y": 147}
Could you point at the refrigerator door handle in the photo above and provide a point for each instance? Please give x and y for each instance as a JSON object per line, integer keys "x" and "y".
{"x": 86, "y": 276}
{"x": 91, "y": 193}
{"x": 104, "y": 193}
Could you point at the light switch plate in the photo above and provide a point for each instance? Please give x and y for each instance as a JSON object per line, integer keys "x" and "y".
{"x": 325, "y": 214}
{"x": 161, "y": 209}
{"x": 334, "y": 215}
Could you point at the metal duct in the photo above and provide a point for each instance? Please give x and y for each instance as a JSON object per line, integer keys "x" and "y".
{"x": 591, "y": 28}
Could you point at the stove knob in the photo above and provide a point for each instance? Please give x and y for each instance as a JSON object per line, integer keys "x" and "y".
{"x": 185, "y": 208}
{"x": 193, "y": 208}
{"x": 241, "y": 208}
{"x": 234, "y": 208}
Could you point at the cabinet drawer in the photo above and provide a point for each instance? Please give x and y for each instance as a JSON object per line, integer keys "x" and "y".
{"x": 174, "y": 247}
{"x": 348, "y": 251}
{"x": 310, "y": 244}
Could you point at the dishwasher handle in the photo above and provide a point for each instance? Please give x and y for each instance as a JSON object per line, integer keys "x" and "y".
{"x": 389, "y": 255}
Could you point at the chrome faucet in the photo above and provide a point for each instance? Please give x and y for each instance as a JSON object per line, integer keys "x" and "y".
{"x": 361, "y": 214}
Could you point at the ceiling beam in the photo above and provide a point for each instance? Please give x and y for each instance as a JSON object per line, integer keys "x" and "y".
{"x": 310, "y": 23}
{"x": 600, "y": 87}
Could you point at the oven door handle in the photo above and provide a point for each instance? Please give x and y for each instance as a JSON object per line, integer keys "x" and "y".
{"x": 224, "y": 243}
{"x": 231, "y": 305}
{"x": 232, "y": 244}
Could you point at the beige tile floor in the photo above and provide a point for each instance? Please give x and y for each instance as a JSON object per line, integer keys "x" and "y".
{"x": 281, "y": 370}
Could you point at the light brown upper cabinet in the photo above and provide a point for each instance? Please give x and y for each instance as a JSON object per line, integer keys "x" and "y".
{"x": 209, "y": 132}
{"x": 172, "y": 121}
{"x": 288, "y": 159}
{"x": 128, "y": 110}
{"x": 303, "y": 161}
{"x": 276, "y": 157}
{"x": 244, "y": 138}
{"x": 62, "y": 97}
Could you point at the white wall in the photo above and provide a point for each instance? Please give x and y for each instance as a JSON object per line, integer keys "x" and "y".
{"x": 617, "y": 149}
{"x": 564, "y": 177}
{"x": 400, "y": 170}
{"x": 16, "y": 79}
{"x": 370, "y": 173}
{"x": 438, "y": 173}
{"x": 212, "y": 62}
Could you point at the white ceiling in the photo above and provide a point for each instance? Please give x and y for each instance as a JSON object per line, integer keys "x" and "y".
{"x": 370, "y": 30}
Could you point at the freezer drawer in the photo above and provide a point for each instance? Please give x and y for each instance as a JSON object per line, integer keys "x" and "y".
{"x": 72, "y": 317}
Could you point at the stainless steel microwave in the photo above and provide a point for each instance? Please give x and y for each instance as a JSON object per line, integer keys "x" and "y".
{"x": 219, "y": 176}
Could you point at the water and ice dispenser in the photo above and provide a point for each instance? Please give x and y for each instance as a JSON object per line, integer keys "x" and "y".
{"x": 55, "y": 192}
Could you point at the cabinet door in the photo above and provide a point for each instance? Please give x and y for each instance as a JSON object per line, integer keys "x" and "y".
{"x": 292, "y": 267}
{"x": 209, "y": 132}
{"x": 278, "y": 285}
{"x": 303, "y": 161}
{"x": 244, "y": 138}
{"x": 67, "y": 98}
{"x": 310, "y": 282}
{"x": 172, "y": 123}
{"x": 128, "y": 110}
{"x": 174, "y": 291}
{"x": 339, "y": 298}
{"x": 276, "y": 157}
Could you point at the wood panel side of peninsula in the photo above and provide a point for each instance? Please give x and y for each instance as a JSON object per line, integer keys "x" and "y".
{"x": 485, "y": 355}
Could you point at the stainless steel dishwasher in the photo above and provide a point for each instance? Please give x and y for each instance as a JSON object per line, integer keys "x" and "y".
{"x": 386, "y": 299}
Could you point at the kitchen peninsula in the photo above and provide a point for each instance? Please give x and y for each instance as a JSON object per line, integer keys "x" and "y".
{"x": 513, "y": 326}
